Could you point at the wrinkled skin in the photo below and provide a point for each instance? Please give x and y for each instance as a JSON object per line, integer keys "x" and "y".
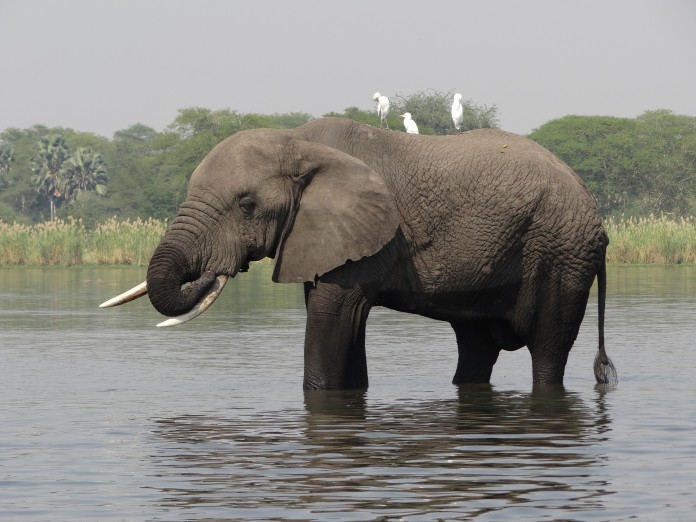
{"x": 485, "y": 230}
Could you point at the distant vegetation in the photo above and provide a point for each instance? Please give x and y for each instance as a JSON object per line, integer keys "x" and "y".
{"x": 50, "y": 173}
{"x": 635, "y": 168}
{"x": 431, "y": 111}
{"x": 145, "y": 171}
{"x": 68, "y": 243}
{"x": 650, "y": 240}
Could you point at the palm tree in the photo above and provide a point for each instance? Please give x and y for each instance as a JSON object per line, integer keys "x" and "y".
{"x": 85, "y": 170}
{"x": 47, "y": 169}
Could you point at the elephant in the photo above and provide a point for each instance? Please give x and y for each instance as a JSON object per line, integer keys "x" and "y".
{"x": 486, "y": 230}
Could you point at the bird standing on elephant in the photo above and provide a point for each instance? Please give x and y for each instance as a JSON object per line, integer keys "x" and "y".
{"x": 409, "y": 124}
{"x": 382, "y": 108}
{"x": 485, "y": 230}
{"x": 457, "y": 111}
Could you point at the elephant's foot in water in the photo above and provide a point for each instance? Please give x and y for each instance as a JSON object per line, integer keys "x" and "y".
{"x": 548, "y": 365}
{"x": 478, "y": 353}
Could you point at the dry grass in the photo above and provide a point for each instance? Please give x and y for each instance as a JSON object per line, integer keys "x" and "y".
{"x": 652, "y": 240}
{"x": 125, "y": 242}
{"x": 68, "y": 242}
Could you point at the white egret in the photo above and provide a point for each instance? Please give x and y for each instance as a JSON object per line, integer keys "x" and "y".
{"x": 409, "y": 124}
{"x": 382, "y": 108}
{"x": 457, "y": 111}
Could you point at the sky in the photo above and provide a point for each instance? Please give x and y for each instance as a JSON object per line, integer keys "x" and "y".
{"x": 104, "y": 65}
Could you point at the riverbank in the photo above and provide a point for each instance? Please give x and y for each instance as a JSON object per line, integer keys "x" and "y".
{"x": 653, "y": 240}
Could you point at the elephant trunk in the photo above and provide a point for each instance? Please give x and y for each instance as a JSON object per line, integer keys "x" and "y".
{"x": 169, "y": 269}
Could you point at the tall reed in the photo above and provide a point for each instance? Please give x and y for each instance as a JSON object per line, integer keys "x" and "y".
{"x": 125, "y": 242}
{"x": 651, "y": 240}
{"x": 69, "y": 242}
{"x": 49, "y": 243}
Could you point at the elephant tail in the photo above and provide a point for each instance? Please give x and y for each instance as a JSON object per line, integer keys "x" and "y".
{"x": 604, "y": 369}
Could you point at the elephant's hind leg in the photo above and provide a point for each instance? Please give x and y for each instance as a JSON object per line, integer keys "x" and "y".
{"x": 478, "y": 352}
{"x": 549, "y": 357}
{"x": 558, "y": 320}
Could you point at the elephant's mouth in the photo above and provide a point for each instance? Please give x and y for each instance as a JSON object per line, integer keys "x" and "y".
{"x": 207, "y": 299}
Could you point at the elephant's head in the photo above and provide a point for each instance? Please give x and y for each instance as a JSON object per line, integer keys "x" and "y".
{"x": 264, "y": 193}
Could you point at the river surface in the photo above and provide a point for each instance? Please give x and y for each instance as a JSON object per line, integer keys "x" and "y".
{"x": 105, "y": 417}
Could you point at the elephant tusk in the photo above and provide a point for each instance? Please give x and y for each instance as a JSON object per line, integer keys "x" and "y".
{"x": 201, "y": 306}
{"x": 126, "y": 297}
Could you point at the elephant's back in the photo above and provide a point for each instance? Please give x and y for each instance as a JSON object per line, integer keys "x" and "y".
{"x": 497, "y": 197}
{"x": 491, "y": 165}
{"x": 506, "y": 153}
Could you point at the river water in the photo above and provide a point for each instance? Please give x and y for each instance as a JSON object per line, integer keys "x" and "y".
{"x": 105, "y": 417}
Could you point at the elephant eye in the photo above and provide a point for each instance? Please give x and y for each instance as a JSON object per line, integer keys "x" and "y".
{"x": 248, "y": 205}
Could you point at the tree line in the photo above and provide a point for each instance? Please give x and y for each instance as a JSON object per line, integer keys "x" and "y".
{"x": 632, "y": 166}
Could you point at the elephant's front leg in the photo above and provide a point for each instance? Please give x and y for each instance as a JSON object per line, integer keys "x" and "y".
{"x": 335, "y": 336}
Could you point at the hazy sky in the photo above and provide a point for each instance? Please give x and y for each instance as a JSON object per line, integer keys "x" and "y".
{"x": 102, "y": 66}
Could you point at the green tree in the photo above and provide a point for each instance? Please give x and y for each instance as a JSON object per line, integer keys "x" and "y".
{"x": 132, "y": 166}
{"x": 48, "y": 169}
{"x": 665, "y": 155}
{"x": 6, "y": 158}
{"x": 632, "y": 166}
{"x": 84, "y": 171}
{"x": 18, "y": 196}
{"x": 599, "y": 149}
{"x": 23, "y": 193}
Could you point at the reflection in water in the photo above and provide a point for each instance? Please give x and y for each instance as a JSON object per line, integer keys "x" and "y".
{"x": 528, "y": 454}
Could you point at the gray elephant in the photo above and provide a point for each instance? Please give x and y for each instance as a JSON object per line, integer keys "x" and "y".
{"x": 485, "y": 230}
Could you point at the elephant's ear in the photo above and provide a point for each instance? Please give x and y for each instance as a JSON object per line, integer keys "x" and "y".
{"x": 345, "y": 212}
